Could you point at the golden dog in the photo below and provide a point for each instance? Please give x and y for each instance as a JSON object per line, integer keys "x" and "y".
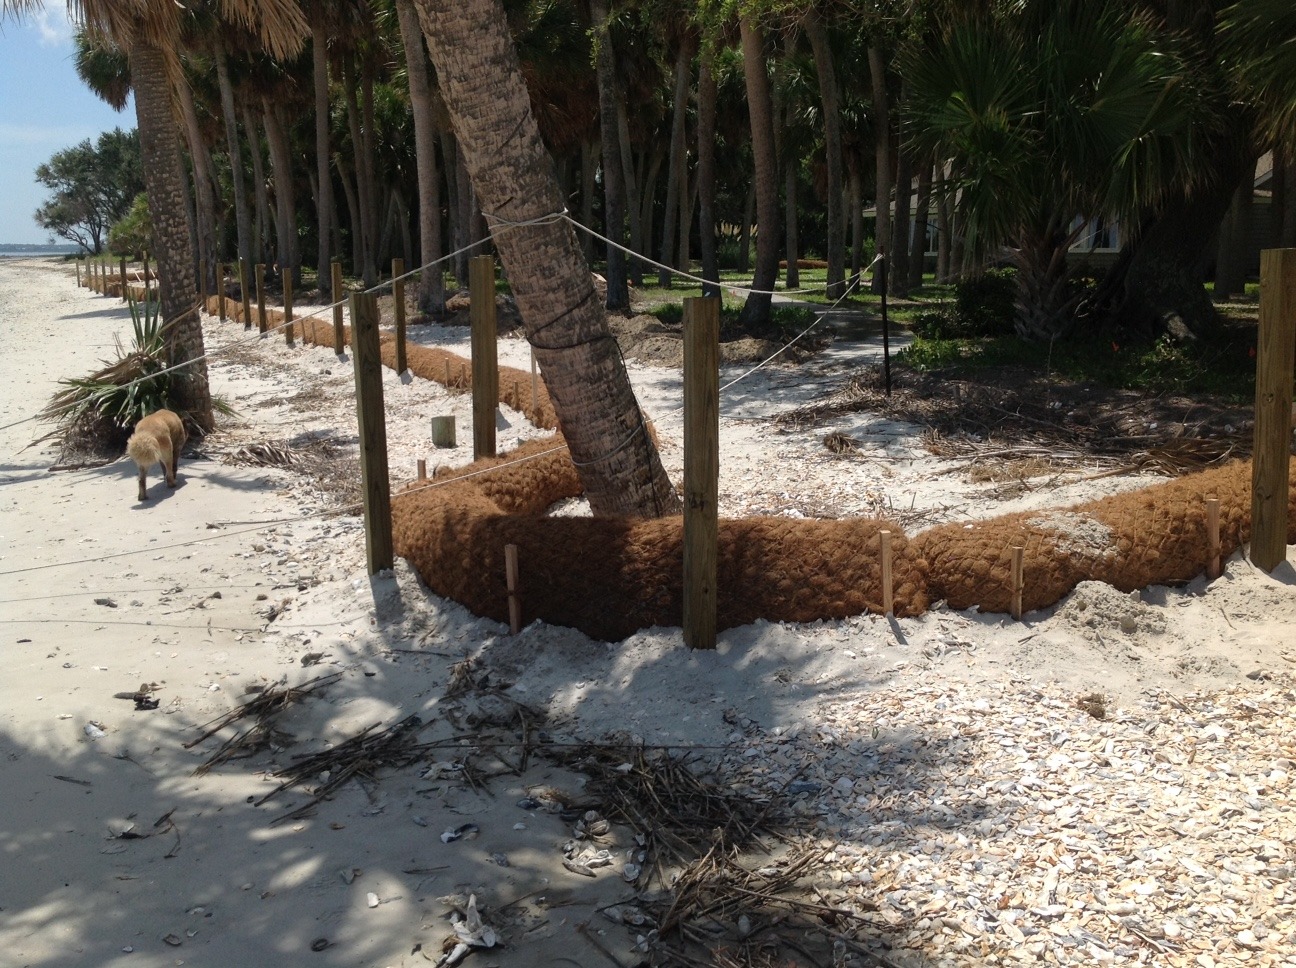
{"x": 157, "y": 438}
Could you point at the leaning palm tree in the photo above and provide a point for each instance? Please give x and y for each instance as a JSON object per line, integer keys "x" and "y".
{"x": 149, "y": 33}
{"x": 514, "y": 177}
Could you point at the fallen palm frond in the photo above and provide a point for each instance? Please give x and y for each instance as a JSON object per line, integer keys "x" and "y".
{"x": 361, "y": 756}
{"x": 262, "y": 710}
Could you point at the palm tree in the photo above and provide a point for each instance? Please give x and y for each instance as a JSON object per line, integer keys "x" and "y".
{"x": 488, "y": 101}
{"x": 760, "y": 109}
{"x": 614, "y": 198}
{"x": 1064, "y": 110}
{"x": 149, "y": 32}
{"x": 830, "y": 95}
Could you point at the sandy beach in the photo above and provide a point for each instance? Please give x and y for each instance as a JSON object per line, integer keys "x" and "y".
{"x": 968, "y": 808}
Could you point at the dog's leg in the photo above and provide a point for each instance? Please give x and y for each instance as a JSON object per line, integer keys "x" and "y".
{"x": 168, "y": 470}
{"x": 143, "y": 494}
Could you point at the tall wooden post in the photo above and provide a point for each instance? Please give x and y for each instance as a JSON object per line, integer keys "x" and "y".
{"x": 146, "y": 276}
{"x": 1275, "y": 363}
{"x": 288, "y": 309}
{"x": 701, "y": 468}
{"x": 260, "y": 286}
{"x": 398, "y": 294}
{"x": 125, "y": 291}
{"x": 78, "y": 273}
{"x": 339, "y": 332}
{"x": 374, "y": 480}
{"x": 245, "y": 294}
{"x": 485, "y": 354}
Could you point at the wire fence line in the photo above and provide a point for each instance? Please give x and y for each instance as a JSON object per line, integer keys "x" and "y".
{"x": 503, "y": 225}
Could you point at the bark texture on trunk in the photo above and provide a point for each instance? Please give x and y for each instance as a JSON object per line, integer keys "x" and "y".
{"x": 760, "y": 109}
{"x": 830, "y": 97}
{"x": 706, "y": 172}
{"x": 323, "y": 153}
{"x": 431, "y": 293}
{"x": 164, "y": 179}
{"x": 242, "y": 214}
{"x": 882, "y": 155}
{"x": 514, "y": 176}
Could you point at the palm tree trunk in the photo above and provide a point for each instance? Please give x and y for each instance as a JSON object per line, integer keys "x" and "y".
{"x": 590, "y": 152}
{"x": 164, "y": 179}
{"x": 901, "y": 228}
{"x": 260, "y": 192}
{"x": 855, "y": 192}
{"x": 882, "y": 154}
{"x": 203, "y": 192}
{"x": 706, "y": 125}
{"x": 285, "y": 201}
{"x": 922, "y": 215}
{"x": 431, "y": 291}
{"x": 676, "y": 166}
{"x": 792, "y": 277}
{"x": 1233, "y": 256}
{"x": 242, "y": 214}
{"x": 831, "y": 98}
{"x": 614, "y": 199}
{"x": 323, "y": 154}
{"x": 600, "y": 418}
{"x": 351, "y": 194}
{"x": 633, "y": 199}
{"x": 944, "y": 229}
{"x": 650, "y": 181}
{"x": 756, "y": 310}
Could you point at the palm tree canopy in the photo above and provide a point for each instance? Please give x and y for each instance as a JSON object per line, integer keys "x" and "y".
{"x": 1260, "y": 39}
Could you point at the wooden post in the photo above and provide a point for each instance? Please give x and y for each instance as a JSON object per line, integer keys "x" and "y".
{"x": 888, "y": 599}
{"x": 122, "y": 266}
{"x": 1017, "y": 581}
{"x": 147, "y": 277}
{"x": 78, "y": 272}
{"x": 1212, "y": 538}
{"x": 447, "y": 378}
{"x": 422, "y": 469}
{"x": 339, "y": 332}
{"x": 260, "y": 286}
{"x": 288, "y": 308}
{"x": 443, "y": 431}
{"x": 485, "y": 354}
{"x": 511, "y": 579}
{"x": 245, "y": 294}
{"x": 535, "y": 385}
{"x": 398, "y": 294}
{"x": 221, "y": 270}
{"x": 373, "y": 431}
{"x": 701, "y": 468}
{"x": 1275, "y": 362}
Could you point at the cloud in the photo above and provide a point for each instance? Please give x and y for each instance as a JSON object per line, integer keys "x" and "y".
{"x": 53, "y": 26}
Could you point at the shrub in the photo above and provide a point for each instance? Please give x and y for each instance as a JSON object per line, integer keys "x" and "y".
{"x": 985, "y": 305}
{"x": 132, "y": 236}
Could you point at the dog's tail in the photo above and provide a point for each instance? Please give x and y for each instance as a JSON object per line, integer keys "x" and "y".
{"x": 144, "y": 449}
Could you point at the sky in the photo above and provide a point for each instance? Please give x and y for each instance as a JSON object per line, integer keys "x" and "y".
{"x": 44, "y": 108}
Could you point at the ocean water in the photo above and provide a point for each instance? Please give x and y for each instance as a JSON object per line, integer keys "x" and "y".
{"x": 12, "y": 251}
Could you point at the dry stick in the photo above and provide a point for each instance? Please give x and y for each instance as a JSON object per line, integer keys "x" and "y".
{"x": 339, "y": 335}
{"x": 888, "y": 602}
{"x": 288, "y": 308}
{"x": 398, "y": 292}
{"x": 1212, "y": 538}
{"x": 1017, "y": 553}
{"x": 511, "y": 577}
{"x": 260, "y": 287}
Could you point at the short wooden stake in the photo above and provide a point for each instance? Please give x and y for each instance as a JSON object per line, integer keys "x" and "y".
{"x": 147, "y": 277}
{"x": 260, "y": 287}
{"x": 220, "y": 295}
{"x": 78, "y": 272}
{"x": 447, "y": 376}
{"x": 535, "y": 384}
{"x": 888, "y": 600}
{"x": 339, "y": 332}
{"x": 288, "y": 308}
{"x": 701, "y": 469}
{"x": 1017, "y": 553}
{"x": 125, "y": 291}
{"x": 443, "y": 431}
{"x": 374, "y": 481}
{"x": 245, "y": 293}
{"x": 398, "y": 294}
{"x": 485, "y": 354}
{"x": 1275, "y": 361}
{"x": 422, "y": 469}
{"x": 511, "y": 579}
{"x": 463, "y": 376}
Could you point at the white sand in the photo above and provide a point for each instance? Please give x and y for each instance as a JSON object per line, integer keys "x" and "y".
{"x": 187, "y": 581}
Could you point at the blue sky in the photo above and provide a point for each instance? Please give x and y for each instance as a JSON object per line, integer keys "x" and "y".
{"x": 44, "y": 108}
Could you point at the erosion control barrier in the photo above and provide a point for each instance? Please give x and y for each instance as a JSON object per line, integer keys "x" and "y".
{"x": 426, "y": 362}
{"x": 612, "y": 576}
